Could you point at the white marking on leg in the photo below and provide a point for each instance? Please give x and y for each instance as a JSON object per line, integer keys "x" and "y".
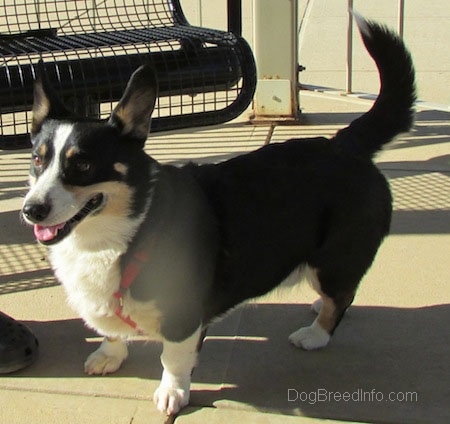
{"x": 316, "y": 335}
{"x": 178, "y": 360}
{"x": 312, "y": 278}
{"x": 309, "y": 338}
{"x": 316, "y": 306}
{"x": 107, "y": 358}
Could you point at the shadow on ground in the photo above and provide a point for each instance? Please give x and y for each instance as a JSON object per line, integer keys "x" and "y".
{"x": 384, "y": 363}
{"x": 379, "y": 351}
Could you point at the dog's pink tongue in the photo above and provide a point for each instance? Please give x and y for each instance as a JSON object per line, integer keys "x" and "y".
{"x": 46, "y": 233}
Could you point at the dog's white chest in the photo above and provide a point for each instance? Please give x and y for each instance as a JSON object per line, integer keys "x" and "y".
{"x": 89, "y": 277}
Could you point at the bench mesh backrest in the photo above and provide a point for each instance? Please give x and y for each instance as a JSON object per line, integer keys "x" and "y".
{"x": 83, "y": 16}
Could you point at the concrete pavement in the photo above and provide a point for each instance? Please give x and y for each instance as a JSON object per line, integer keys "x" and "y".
{"x": 388, "y": 361}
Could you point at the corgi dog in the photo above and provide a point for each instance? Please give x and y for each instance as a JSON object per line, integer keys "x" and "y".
{"x": 146, "y": 248}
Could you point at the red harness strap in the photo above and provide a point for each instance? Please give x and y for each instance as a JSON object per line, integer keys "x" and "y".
{"x": 129, "y": 274}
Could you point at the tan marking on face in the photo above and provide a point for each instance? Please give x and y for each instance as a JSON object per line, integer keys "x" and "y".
{"x": 42, "y": 151}
{"x": 71, "y": 152}
{"x": 118, "y": 197}
{"x": 121, "y": 168}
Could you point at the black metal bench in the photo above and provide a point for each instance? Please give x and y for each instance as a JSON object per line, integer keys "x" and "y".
{"x": 90, "y": 49}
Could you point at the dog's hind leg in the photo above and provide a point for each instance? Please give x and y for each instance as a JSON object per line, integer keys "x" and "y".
{"x": 330, "y": 308}
{"x": 107, "y": 358}
{"x": 316, "y": 306}
{"x": 336, "y": 269}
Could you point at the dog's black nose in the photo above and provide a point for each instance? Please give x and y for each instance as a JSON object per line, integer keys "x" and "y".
{"x": 36, "y": 212}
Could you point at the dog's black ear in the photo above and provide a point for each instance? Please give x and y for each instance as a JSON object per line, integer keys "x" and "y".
{"x": 132, "y": 115}
{"x": 46, "y": 104}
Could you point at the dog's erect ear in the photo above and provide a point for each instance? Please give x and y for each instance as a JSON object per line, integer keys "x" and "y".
{"x": 132, "y": 115}
{"x": 46, "y": 103}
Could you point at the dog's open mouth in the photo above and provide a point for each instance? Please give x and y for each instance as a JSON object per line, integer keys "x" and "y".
{"x": 54, "y": 233}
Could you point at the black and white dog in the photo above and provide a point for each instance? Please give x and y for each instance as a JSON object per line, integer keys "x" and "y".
{"x": 154, "y": 249}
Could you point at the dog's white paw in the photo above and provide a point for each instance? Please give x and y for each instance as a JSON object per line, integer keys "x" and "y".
{"x": 107, "y": 358}
{"x": 170, "y": 400}
{"x": 99, "y": 363}
{"x": 309, "y": 338}
{"x": 178, "y": 359}
{"x": 317, "y": 305}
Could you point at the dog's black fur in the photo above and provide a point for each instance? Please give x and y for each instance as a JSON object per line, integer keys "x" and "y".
{"x": 316, "y": 201}
{"x": 217, "y": 234}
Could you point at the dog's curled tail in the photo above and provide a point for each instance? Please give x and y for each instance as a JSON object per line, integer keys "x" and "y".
{"x": 392, "y": 112}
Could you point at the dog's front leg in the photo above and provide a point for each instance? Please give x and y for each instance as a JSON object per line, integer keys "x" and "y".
{"x": 107, "y": 358}
{"x": 178, "y": 360}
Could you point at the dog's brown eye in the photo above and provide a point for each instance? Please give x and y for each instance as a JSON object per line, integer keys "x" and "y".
{"x": 37, "y": 161}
